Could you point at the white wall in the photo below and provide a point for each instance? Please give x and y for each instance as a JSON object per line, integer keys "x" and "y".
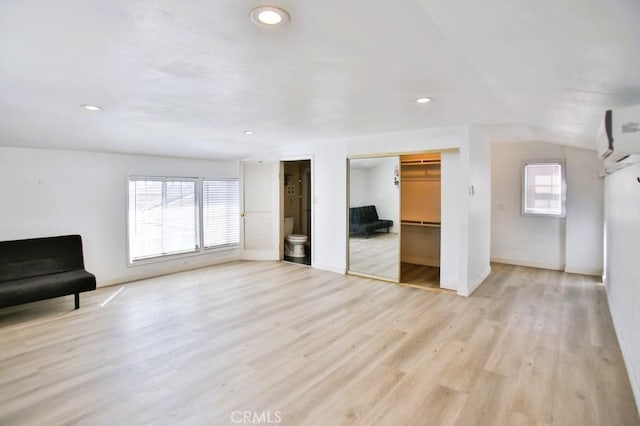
{"x": 553, "y": 243}
{"x": 329, "y": 249}
{"x": 523, "y": 240}
{"x": 358, "y": 187}
{"x": 51, "y": 192}
{"x": 383, "y": 193}
{"x": 622, "y": 219}
{"x": 453, "y": 231}
{"x": 330, "y": 180}
{"x": 329, "y": 203}
{"x": 479, "y": 201}
{"x": 585, "y": 213}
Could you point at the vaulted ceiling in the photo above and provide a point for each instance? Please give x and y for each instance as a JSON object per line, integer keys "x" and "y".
{"x": 187, "y": 78}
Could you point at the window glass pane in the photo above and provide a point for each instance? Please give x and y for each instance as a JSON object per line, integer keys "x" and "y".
{"x": 162, "y": 218}
{"x": 220, "y": 213}
{"x": 145, "y": 218}
{"x": 542, "y": 179}
{"x": 543, "y": 189}
{"x": 179, "y": 217}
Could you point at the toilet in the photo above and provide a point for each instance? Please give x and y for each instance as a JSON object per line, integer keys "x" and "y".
{"x": 294, "y": 243}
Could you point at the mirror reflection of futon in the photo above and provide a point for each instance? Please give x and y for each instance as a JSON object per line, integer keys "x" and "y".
{"x": 42, "y": 268}
{"x": 364, "y": 220}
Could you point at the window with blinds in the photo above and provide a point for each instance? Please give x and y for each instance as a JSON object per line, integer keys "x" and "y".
{"x": 220, "y": 213}
{"x": 543, "y": 191}
{"x": 163, "y": 217}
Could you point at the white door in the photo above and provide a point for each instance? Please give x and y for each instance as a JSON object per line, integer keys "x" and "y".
{"x": 259, "y": 230}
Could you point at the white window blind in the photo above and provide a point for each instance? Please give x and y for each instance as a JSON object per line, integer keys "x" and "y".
{"x": 162, "y": 217}
{"x": 220, "y": 213}
{"x": 543, "y": 189}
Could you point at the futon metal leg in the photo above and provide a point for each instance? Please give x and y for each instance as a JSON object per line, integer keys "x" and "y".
{"x": 77, "y": 297}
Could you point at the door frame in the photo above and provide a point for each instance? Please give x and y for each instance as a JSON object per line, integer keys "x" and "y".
{"x": 307, "y": 157}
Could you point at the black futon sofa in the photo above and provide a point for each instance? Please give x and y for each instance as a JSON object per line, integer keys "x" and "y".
{"x": 42, "y": 268}
{"x": 364, "y": 220}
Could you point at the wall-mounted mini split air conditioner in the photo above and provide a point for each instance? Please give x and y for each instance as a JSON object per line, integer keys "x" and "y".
{"x": 619, "y": 138}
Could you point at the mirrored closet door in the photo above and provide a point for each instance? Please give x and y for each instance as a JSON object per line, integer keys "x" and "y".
{"x": 374, "y": 217}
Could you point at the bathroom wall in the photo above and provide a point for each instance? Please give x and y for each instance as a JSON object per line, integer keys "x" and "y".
{"x": 296, "y": 201}
{"x": 292, "y": 201}
{"x": 305, "y": 191}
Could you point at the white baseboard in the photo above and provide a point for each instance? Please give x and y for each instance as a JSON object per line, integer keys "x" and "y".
{"x": 449, "y": 286}
{"x": 591, "y": 272}
{"x": 522, "y": 262}
{"x": 172, "y": 270}
{"x": 329, "y": 268}
{"x": 634, "y": 379}
{"x": 421, "y": 261}
{"x": 475, "y": 284}
{"x": 258, "y": 255}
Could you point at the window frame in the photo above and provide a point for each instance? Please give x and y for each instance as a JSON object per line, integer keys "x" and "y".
{"x": 200, "y": 250}
{"x": 563, "y": 188}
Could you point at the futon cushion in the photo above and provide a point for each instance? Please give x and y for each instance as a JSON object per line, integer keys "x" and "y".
{"x": 30, "y": 289}
{"x": 40, "y": 256}
{"x": 365, "y": 214}
{"x": 369, "y": 214}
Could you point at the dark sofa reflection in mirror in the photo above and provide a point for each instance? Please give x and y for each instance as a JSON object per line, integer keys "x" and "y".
{"x": 364, "y": 220}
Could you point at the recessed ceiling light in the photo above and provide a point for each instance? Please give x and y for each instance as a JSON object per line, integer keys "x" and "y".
{"x": 249, "y": 132}
{"x": 423, "y": 100}
{"x": 92, "y": 107}
{"x": 269, "y": 15}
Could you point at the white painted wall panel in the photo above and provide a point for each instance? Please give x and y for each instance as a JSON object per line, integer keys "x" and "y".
{"x": 331, "y": 183}
{"x": 478, "y": 193}
{"x": 453, "y": 255}
{"x": 384, "y": 194}
{"x": 49, "y": 192}
{"x": 573, "y": 243}
{"x": 622, "y": 218}
{"x": 585, "y": 213}
{"x": 359, "y": 188}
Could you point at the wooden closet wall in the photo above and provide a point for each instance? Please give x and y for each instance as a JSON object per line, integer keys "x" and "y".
{"x": 420, "y": 209}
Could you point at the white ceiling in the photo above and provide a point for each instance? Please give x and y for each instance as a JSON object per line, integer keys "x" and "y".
{"x": 187, "y": 77}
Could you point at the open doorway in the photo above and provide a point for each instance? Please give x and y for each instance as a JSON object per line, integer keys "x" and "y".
{"x": 297, "y": 209}
{"x": 420, "y": 208}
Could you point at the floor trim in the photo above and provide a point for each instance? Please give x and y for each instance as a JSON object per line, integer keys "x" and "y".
{"x": 520, "y": 262}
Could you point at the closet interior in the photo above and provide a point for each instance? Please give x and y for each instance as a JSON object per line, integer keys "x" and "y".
{"x": 420, "y": 219}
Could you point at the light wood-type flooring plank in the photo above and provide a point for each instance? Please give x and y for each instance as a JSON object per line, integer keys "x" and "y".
{"x": 308, "y": 347}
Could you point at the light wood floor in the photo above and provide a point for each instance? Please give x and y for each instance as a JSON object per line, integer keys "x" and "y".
{"x": 530, "y": 347}
{"x": 377, "y": 255}
{"x": 420, "y": 276}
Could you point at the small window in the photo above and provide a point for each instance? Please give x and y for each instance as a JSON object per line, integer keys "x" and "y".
{"x": 163, "y": 217}
{"x": 220, "y": 213}
{"x": 543, "y": 189}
